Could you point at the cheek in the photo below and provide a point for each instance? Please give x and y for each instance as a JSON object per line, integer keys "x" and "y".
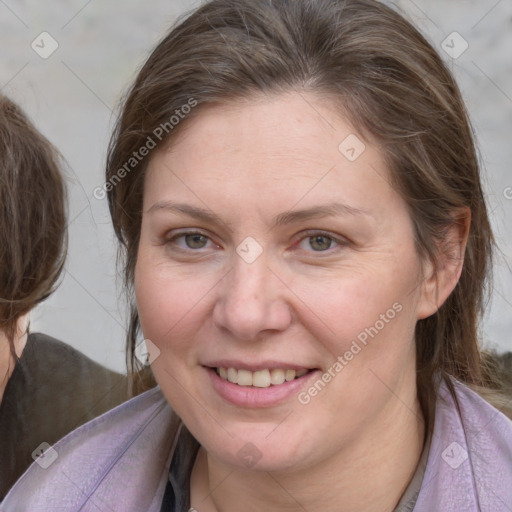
{"x": 372, "y": 306}
{"x": 172, "y": 305}
{"x": 155, "y": 294}
{"x": 347, "y": 303}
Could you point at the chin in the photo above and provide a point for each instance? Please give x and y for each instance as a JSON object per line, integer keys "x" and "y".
{"x": 251, "y": 459}
{"x": 255, "y": 453}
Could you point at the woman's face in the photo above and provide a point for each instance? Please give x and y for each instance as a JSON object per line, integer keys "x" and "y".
{"x": 273, "y": 246}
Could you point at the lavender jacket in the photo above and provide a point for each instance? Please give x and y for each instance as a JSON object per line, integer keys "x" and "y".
{"x": 119, "y": 461}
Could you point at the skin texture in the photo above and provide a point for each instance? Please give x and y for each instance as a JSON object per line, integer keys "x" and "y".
{"x": 356, "y": 444}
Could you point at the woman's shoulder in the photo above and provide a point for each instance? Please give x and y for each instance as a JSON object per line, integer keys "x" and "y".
{"x": 60, "y": 377}
{"x": 486, "y": 428}
{"x": 119, "y": 459}
{"x": 54, "y": 352}
{"x": 470, "y": 460}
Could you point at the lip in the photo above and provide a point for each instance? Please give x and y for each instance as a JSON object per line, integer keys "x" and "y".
{"x": 253, "y": 397}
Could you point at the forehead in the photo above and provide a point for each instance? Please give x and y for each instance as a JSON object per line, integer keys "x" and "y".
{"x": 294, "y": 125}
{"x": 273, "y": 151}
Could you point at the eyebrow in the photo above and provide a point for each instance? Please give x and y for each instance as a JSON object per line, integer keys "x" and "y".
{"x": 328, "y": 210}
{"x": 290, "y": 217}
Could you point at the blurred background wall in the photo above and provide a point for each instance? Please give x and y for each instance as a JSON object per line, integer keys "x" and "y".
{"x": 67, "y": 64}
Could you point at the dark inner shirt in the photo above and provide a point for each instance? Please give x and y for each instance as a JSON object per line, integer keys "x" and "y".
{"x": 177, "y": 491}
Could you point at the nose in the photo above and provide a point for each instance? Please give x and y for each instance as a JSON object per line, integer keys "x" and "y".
{"x": 251, "y": 301}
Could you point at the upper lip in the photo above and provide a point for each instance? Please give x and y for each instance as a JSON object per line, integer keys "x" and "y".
{"x": 253, "y": 367}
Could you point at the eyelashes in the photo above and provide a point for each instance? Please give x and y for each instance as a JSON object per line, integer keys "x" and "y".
{"x": 196, "y": 239}
{"x": 312, "y": 241}
{"x": 318, "y": 239}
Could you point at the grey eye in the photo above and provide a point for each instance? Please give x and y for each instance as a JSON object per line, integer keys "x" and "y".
{"x": 320, "y": 242}
{"x": 196, "y": 241}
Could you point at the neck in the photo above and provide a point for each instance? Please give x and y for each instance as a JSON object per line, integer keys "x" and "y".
{"x": 7, "y": 360}
{"x": 371, "y": 474}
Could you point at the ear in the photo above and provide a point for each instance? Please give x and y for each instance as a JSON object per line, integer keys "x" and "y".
{"x": 440, "y": 279}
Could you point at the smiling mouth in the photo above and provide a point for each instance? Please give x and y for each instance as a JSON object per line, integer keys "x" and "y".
{"x": 260, "y": 378}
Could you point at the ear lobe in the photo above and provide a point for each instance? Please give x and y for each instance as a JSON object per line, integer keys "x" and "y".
{"x": 442, "y": 278}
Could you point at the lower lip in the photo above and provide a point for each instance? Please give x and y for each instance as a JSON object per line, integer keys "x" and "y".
{"x": 253, "y": 397}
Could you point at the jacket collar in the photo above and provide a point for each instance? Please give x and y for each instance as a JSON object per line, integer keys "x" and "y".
{"x": 469, "y": 464}
{"x": 470, "y": 461}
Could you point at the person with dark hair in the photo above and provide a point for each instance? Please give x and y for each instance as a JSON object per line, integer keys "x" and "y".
{"x": 295, "y": 188}
{"x": 47, "y": 388}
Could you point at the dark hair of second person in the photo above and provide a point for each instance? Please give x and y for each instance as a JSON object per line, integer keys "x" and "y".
{"x": 33, "y": 225}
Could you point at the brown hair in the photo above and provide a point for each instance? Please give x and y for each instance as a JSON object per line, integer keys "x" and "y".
{"x": 390, "y": 83}
{"x": 32, "y": 217}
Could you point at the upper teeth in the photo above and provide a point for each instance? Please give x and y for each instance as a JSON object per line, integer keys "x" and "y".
{"x": 260, "y": 378}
